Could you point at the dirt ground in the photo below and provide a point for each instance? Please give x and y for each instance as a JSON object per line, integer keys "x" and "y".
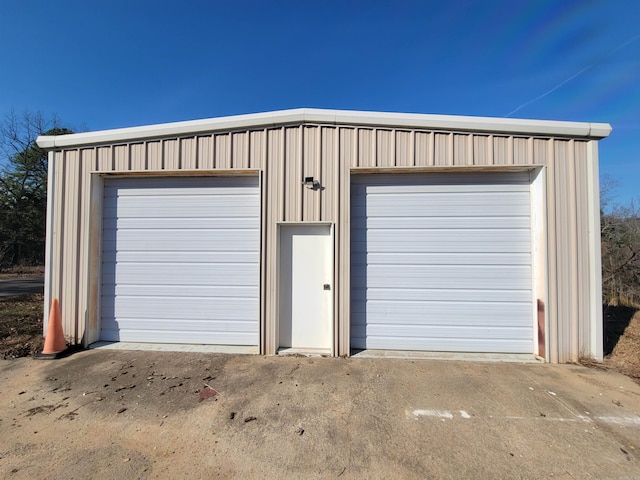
{"x": 21, "y": 326}
{"x": 136, "y": 415}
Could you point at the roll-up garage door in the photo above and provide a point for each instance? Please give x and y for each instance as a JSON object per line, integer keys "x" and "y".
{"x": 442, "y": 262}
{"x": 180, "y": 260}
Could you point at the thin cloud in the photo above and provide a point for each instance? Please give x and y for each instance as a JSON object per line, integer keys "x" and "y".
{"x": 548, "y": 92}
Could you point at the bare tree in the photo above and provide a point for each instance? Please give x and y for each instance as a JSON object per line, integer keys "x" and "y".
{"x": 620, "y": 233}
{"x": 23, "y": 186}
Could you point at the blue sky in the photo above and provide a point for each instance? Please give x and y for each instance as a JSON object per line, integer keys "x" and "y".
{"x": 100, "y": 65}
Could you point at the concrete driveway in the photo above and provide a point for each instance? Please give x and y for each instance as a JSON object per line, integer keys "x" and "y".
{"x": 14, "y": 287}
{"x": 128, "y": 414}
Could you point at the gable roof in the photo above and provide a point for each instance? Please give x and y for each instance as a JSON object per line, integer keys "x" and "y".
{"x": 332, "y": 117}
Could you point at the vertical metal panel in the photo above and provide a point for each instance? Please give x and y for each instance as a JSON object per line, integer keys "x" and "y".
{"x": 594, "y": 293}
{"x": 239, "y": 150}
{"x": 69, "y": 290}
{"x": 500, "y": 150}
{"x": 582, "y": 249}
{"x": 442, "y": 153}
{"x": 138, "y": 157}
{"x": 543, "y": 153}
{"x": 481, "y": 155}
{"x": 385, "y": 148}
{"x": 273, "y": 198}
{"x": 404, "y": 148}
{"x": 105, "y": 159}
{"x": 292, "y": 175}
{"x": 222, "y": 151}
{"x": 521, "y": 151}
{"x": 424, "y": 149}
{"x": 330, "y": 164}
{"x": 205, "y": 152}
{"x": 366, "y": 149}
{"x": 348, "y": 149}
{"x": 155, "y": 159}
{"x": 171, "y": 153}
{"x": 188, "y": 153}
{"x": 461, "y": 154}
{"x": 311, "y": 168}
{"x": 50, "y": 232}
{"x": 257, "y": 151}
{"x": 565, "y": 224}
{"x": 121, "y": 158}
{"x": 84, "y": 209}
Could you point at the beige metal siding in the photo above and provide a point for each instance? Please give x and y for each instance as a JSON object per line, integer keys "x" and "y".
{"x": 285, "y": 155}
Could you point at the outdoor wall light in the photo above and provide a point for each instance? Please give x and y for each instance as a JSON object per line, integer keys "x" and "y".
{"x": 310, "y": 182}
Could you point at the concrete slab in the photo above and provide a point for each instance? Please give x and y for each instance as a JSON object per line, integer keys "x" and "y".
{"x": 109, "y": 413}
{"x": 458, "y": 356}
{"x": 175, "y": 347}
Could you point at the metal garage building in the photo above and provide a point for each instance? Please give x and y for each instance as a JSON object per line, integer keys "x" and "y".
{"x": 330, "y": 231}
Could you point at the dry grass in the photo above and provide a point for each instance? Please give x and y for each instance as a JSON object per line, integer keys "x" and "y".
{"x": 21, "y": 326}
{"x": 21, "y": 272}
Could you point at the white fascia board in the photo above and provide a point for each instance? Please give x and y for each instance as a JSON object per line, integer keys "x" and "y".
{"x": 333, "y": 117}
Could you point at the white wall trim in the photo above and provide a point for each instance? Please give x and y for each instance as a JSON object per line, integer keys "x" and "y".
{"x": 595, "y": 254}
{"x": 332, "y": 117}
{"x": 49, "y": 233}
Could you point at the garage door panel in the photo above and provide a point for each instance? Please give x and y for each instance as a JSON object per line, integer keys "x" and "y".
{"x": 410, "y": 276}
{"x": 182, "y": 310}
{"x": 136, "y": 207}
{"x": 442, "y": 262}
{"x": 451, "y": 344}
{"x": 402, "y": 313}
{"x": 462, "y": 211}
{"x": 462, "y": 246}
{"x": 360, "y": 293}
{"x": 361, "y": 259}
{"x": 514, "y": 240}
{"x": 448, "y": 223}
{"x": 239, "y": 240}
{"x": 446, "y": 331}
{"x": 187, "y": 291}
{"x": 170, "y": 336}
{"x": 181, "y": 274}
{"x": 168, "y": 257}
{"x": 180, "y": 260}
{"x": 159, "y": 223}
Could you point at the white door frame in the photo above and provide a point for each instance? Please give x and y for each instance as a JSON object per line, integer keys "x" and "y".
{"x": 281, "y": 227}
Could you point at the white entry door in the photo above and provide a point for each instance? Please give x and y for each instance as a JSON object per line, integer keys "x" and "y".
{"x": 306, "y": 287}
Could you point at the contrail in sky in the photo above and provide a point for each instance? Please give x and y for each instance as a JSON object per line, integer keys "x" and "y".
{"x": 548, "y": 92}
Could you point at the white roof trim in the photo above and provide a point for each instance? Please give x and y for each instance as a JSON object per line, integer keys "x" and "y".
{"x": 334, "y": 117}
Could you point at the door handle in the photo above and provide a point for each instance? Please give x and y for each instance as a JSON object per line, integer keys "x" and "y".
{"x": 327, "y": 286}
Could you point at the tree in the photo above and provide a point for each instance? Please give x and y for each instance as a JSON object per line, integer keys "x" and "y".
{"x": 23, "y": 187}
{"x": 620, "y": 235}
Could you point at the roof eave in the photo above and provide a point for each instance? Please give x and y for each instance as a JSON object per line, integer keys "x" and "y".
{"x": 334, "y": 117}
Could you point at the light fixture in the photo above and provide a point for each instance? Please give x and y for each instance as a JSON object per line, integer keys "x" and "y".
{"x": 310, "y": 182}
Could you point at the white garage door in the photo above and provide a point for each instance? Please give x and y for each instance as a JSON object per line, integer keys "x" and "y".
{"x": 180, "y": 260}
{"x": 442, "y": 262}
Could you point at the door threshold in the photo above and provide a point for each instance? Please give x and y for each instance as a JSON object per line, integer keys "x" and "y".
{"x": 304, "y": 352}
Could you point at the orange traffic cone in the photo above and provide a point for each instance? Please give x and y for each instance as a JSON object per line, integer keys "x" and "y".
{"x": 54, "y": 343}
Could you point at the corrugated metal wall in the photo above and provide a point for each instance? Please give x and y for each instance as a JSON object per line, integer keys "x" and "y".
{"x": 284, "y": 155}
